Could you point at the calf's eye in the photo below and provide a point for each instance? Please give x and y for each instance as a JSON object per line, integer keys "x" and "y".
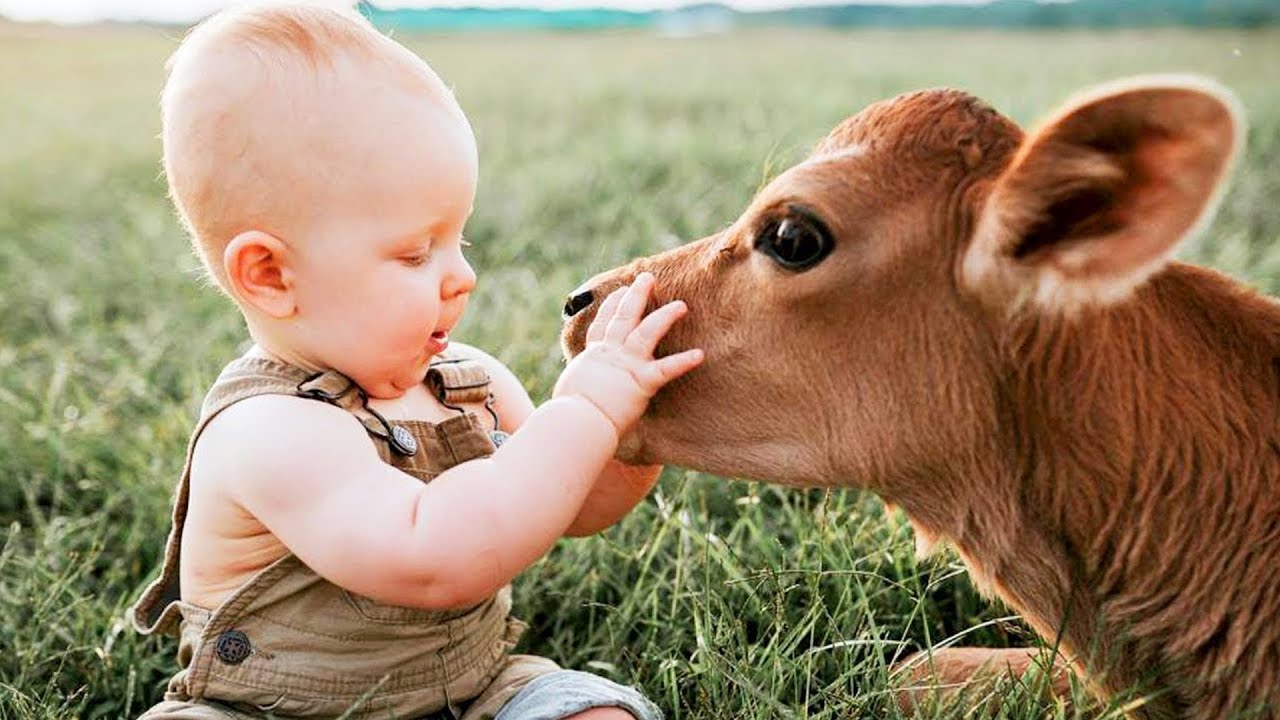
{"x": 796, "y": 243}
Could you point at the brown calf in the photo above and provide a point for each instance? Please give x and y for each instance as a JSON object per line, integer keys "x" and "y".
{"x": 985, "y": 328}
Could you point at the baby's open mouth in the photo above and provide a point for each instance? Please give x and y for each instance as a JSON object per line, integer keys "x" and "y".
{"x": 439, "y": 341}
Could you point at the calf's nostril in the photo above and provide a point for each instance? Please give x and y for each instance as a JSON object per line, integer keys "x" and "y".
{"x": 577, "y": 303}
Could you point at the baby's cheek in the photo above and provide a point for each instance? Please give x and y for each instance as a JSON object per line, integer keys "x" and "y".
{"x": 425, "y": 311}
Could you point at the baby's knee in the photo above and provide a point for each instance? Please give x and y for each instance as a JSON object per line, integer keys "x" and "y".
{"x": 565, "y": 694}
{"x": 603, "y": 713}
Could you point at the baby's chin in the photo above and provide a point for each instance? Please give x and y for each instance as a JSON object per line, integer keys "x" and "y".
{"x": 392, "y": 386}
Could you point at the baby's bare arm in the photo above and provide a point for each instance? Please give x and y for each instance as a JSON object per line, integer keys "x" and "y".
{"x": 617, "y": 489}
{"x": 309, "y": 473}
{"x": 616, "y": 492}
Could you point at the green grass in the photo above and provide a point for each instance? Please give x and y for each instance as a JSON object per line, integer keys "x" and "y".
{"x": 721, "y": 599}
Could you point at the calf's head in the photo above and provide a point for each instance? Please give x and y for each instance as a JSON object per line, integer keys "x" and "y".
{"x": 855, "y": 317}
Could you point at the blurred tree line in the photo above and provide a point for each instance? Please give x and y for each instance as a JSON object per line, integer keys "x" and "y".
{"x": 1035, "y": 13}
{"x": 996, "y": 14}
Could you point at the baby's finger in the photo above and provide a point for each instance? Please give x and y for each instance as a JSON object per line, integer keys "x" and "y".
{"x": 644, "y": 339}
{"x": 629, "y": 310}
{"x": 595, "y": 331}
{"x": 663, "y": 370}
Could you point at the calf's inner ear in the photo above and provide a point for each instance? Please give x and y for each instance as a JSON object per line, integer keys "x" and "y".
{"x": 1095, "y": 200}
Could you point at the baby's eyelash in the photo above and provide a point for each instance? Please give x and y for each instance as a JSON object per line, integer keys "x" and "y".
{"x": 423, "y": 258}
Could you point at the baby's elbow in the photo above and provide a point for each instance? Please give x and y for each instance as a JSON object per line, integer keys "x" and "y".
{"x": 437, "y": 571}
{"x": 584, "y": 528}
{"x": 453, "y": 597}
{"x": 430, "y": 596}
{"x": 439, "y": 589}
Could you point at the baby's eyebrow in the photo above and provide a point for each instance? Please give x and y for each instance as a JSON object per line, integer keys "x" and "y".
{"x": 435, "y": 228}
{"x": 414, "y": 238}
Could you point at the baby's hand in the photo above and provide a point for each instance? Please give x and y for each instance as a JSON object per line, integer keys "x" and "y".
{"x": 616, "y": 371}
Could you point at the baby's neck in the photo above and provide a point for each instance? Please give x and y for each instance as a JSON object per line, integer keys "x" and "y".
{"x": 283, "y": 355}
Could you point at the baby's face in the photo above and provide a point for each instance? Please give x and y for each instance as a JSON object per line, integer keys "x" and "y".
{"x": 380, "y": 280}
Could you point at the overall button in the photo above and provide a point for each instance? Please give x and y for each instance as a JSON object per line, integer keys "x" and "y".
{"x": 402, "y": 441}
{"x": 232, "y": 647}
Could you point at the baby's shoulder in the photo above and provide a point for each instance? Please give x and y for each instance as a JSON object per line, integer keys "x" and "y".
{"x": 276, "y": 436}
{"x": 286, "y": 414}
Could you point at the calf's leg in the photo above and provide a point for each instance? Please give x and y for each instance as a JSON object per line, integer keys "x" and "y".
{"x": 947, "y": 673}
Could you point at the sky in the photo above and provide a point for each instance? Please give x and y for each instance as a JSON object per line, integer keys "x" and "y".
{"x": 82, "y": 11}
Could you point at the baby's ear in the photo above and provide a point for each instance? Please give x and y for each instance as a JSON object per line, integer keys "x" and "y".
{"x": 1095, "y": 201}
{"x": 257, "y": 275}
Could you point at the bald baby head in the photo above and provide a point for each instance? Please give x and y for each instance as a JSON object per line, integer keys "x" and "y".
{"x": 275, "y": 115}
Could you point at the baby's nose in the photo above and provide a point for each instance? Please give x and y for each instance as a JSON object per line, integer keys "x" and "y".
{"x": 460, "y": 281}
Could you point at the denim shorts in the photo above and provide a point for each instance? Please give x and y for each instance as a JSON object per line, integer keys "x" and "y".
{"x": 563, "y": 693}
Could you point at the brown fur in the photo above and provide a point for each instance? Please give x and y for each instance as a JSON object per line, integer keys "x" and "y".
{"x": 999, "y": 345}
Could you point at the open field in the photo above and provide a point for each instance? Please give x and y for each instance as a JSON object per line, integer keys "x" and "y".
{"x": 721, "y": 599}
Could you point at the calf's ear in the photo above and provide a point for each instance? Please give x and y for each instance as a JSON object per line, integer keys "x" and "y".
{"x": 1095, "y": 200}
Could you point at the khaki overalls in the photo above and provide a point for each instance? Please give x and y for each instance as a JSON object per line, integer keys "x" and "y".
{"x": 290, "y": 643}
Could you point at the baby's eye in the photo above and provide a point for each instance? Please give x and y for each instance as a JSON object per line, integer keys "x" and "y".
{"x": 416, "y": 260}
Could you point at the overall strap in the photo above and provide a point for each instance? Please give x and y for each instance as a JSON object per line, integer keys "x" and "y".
{"x": 456, "y": 380}
{"x": 157, "y": 611}
{"x": 453, "y": 380}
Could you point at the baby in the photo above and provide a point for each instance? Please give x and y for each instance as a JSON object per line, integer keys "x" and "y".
{"x": 345, "y": 529}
